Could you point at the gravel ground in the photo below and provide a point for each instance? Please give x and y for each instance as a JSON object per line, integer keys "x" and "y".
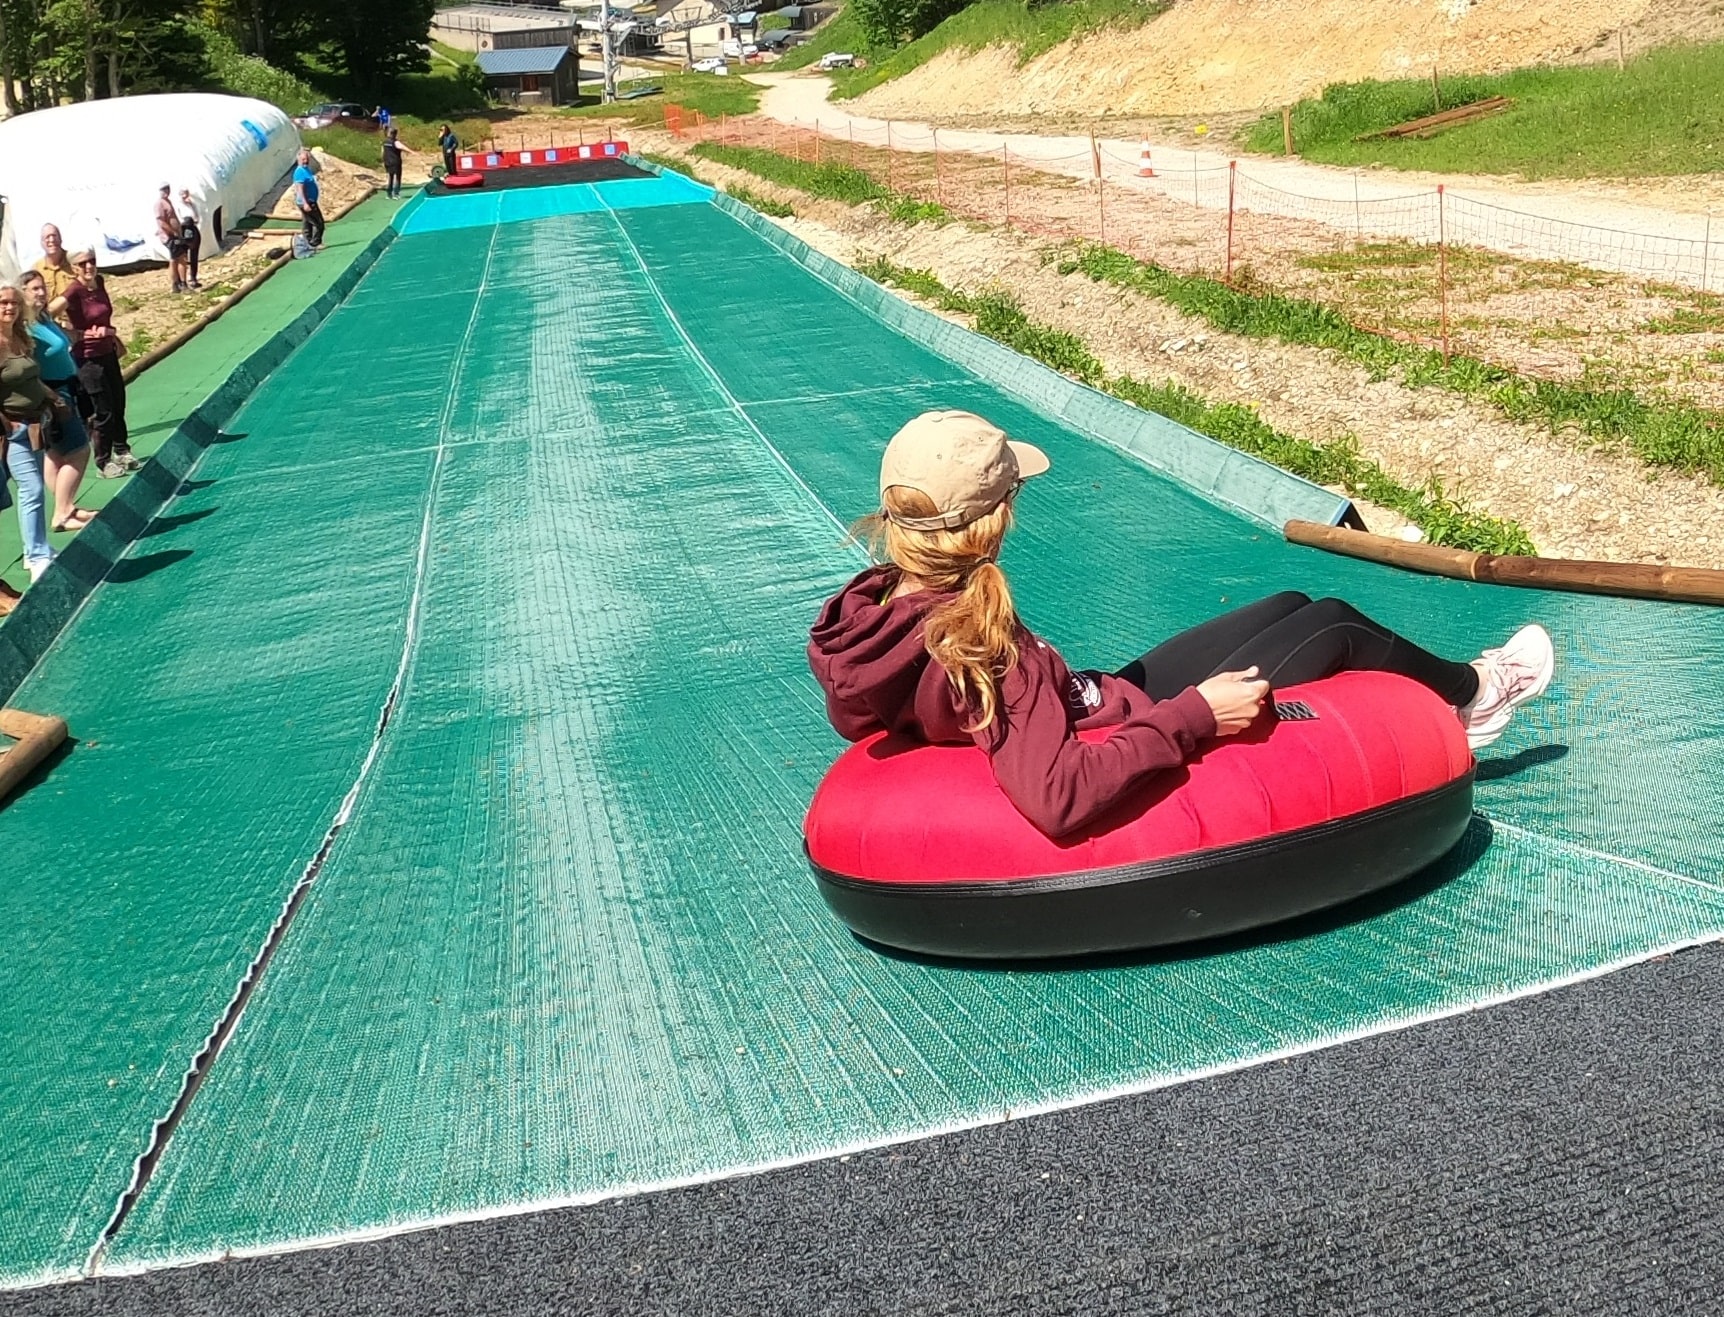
{"x": 1575, "y": 502}
{"x": 148, "y": 313}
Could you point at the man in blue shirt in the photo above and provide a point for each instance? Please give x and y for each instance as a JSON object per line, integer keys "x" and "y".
{"x": 305, "y": 197}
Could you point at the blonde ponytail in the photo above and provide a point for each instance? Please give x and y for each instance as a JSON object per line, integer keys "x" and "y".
{"x": 972, "y": 635}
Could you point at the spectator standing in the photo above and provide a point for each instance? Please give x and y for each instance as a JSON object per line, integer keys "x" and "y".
{"x": 55, "y": 267}
{"x": 305, "y": 197}
{"x": 191, "y": 235}
{"x": 97, "y": 349}
{"x": 383, "y": 118}
{"x": 447, "y": 142}
{"x": 392, "y": 150}
{"x": 168, "y": 230}
{"x": 66, "y": 455}
{"x": 26, "y": 407}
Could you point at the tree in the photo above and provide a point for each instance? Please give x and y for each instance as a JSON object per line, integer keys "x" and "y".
{"x": 887, "y": 22}
{"x": 270, "y": 29}
{"x": 84, "y": 49}
{"x": 375, "y": 41}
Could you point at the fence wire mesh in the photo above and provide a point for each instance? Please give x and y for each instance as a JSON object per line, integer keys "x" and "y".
{"x": 1426, "y": 266}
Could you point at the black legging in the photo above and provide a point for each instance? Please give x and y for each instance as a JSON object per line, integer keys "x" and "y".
{"x": 105, "y": 391}
{"x": 1290, "y": 639}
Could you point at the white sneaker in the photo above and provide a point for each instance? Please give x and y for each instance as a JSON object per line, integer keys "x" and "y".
{"x": 1518, "y": 672}
{"x": 36, "y": 566}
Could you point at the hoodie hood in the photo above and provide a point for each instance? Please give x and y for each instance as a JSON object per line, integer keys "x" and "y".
{"x": 871, "y": 661}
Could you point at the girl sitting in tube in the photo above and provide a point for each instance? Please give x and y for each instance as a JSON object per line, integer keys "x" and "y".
{"x": 927, "y": 644}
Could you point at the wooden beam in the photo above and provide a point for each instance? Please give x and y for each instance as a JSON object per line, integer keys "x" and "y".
{"x": 1690, "y": 585}
{"x": 1433, "y": 123}
{"x": 37, "y": 736}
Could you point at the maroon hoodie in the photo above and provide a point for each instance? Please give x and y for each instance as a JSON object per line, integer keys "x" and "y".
{"x": 870, "y": 658}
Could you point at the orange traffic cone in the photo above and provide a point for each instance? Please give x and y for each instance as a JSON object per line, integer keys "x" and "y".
{"x": 1144, "y": 168}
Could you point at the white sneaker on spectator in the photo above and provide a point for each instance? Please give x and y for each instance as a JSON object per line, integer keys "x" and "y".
{"x": 36, "y": 566}
{"x": 1508, "y": 678}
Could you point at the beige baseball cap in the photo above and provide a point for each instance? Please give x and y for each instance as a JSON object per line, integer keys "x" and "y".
{"x": 962, "y": 462}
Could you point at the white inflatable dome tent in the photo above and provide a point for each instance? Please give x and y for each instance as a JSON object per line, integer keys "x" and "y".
{"x": 96, "y": 169}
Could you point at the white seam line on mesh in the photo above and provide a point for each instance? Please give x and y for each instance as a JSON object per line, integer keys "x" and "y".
{"x": 1028, "y": 397}
{"x": 218, "y": 1037}
{"x": 898, "y": 1139}
{"x": 712, "y": 373}
{"x": 1563, "y": 844}
{"x": 951, "y": 1127}
{"x": 179, "y": 489}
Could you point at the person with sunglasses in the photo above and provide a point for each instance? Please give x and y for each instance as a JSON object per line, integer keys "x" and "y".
{"x": 67, "y": 453}
{"x": 27, "y": 406}
{"x": 97, "y": 348}
{"x": 927, "y": 644}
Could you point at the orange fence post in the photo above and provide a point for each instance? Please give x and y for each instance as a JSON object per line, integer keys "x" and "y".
{"x": 1006, "y": 175}
{"x": 939, "y": 185}
{"x": 852, "y": 126}
{"x": 817, "y": 143}
{"x": 1443, "y": 271}
{"x": 889, "y": 154}
{"x": 1232, "y": 173}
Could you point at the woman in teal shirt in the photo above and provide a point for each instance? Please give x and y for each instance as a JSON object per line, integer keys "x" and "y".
{"x": 67, "y": 455}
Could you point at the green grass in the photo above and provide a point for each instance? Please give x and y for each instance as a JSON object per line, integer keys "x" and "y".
{"x": 840, "y": 33}
{"x": 366, "y": 149}
{"x": 1706, "y": 316}
{"x": 454, "y": 56}
{"x": 832, "y": 182}
{"x": 138, "y": 343}
{"x": 1033, "y": 31}
{"x": 1668, "y": 433}
{"x": 1337, "y": 462}
{"x": 1663, "y": 114}
{"x": 712, "y": 96}
{"x": 765, "y": 205}
{"x": 247, "y": 75}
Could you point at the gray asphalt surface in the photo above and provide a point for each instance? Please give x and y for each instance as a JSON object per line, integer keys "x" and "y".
{"x": 1563, "y": 1154}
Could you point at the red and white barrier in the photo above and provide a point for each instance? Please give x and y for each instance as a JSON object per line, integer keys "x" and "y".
{"x": 550, "y": 155}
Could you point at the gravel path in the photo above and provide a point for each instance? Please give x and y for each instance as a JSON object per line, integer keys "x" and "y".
{"x": 1599, "y": 227}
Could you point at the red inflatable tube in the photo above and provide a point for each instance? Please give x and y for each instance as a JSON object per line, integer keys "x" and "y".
{"x": 1357, "y": 782}
{"x": 473, "y": 179}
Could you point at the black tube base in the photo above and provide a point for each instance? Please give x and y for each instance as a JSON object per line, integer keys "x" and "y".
{"x": 1203, "y": 895}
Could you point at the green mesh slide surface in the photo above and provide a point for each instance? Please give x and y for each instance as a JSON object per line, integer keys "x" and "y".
{"x": 566, "y": 945}
{"x": 162, "y": 396}
{"x": 143, "y": 874}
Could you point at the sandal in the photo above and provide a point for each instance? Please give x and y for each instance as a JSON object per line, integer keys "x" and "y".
{"x": 76, "y": 520}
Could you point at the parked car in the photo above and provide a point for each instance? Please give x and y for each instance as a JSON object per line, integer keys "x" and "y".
{"x": 345, "y": 113}
{"x": 833, "y": 59}
{"x": 711, "y": 64}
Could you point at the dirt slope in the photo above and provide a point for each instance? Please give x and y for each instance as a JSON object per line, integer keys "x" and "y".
{"x": 1206, "y": 56}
